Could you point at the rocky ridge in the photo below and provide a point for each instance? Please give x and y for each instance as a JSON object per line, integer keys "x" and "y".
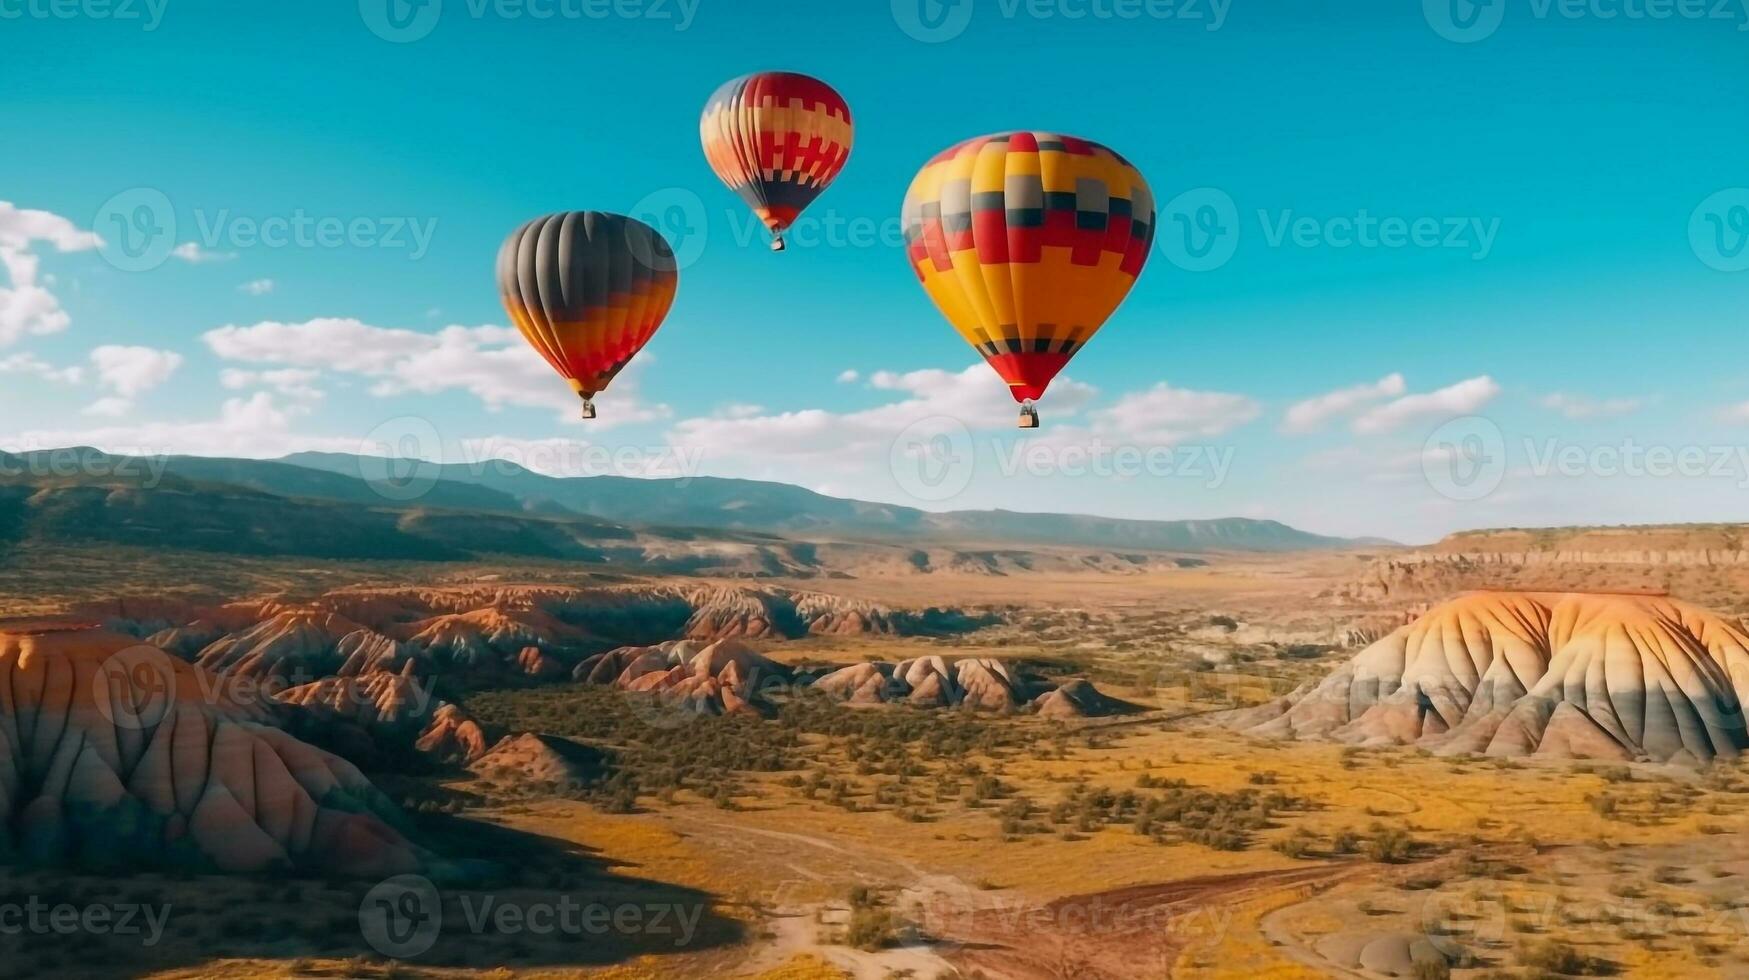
{"x": 1554, "y": 675}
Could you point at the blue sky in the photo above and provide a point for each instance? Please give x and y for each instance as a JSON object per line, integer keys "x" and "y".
{"x": 1562, "y": 305}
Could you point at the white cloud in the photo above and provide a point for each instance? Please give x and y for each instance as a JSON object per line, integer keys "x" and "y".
{"x": 849, "y": 376}
{"x": 1463, "y": 398}
{"x": 257, "y": 287}
{"x": 851, "y": 452}
{"x": 298, "y": 383}
{"x": 256, "y": 427}
{"x": 31, "y": 364}
{"x": 1165, "y": 415}
{"x": 132, "y": 371}
{"x": 579, "y": 457}
{"x": 344, "y": 345}
{"x": 195, "y": 254}
{"x": 109, "y": 408}
{"x": 20, "y": 228}
{"x": 1737, "y": 414}
{"x": 1580, "y": 407}
{"x": 26, "y": 305}
{"x": 1313, "y": 413}
{"x": 492, "y": 363}
{"x": 740, "y": 411}
{"x": 975, "y": 396}
{"x": 977, "y": 399}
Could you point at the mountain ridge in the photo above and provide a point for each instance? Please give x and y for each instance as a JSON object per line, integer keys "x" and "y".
{"x": 608, "y": 507}
{"x": 753, "y": 505}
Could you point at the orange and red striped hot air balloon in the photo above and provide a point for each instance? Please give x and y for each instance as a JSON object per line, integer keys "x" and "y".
{"x": 587, "y": 290}
{"x": 778, "y": 139}
{"x": 1028, "y": 241}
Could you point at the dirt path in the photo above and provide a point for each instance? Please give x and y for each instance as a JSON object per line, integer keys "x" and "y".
{"x": 1138, "y": 931}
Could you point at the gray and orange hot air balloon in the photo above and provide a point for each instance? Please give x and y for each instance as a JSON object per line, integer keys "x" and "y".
{"x": 587, "y": 289}
{"x": 1028, "y": 242}
{"x": 778, "y": 139}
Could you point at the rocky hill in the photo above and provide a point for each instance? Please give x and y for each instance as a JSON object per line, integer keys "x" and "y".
{"x": 1551, "y": 675}
{"x": 728, "y": 677}
{"x": 359, "y": 666}
{"x": 116, "y": 754}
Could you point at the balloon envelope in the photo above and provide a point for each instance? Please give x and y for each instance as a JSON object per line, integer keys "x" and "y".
{"x": 778, "y": 139}
{"x": 1028, "y": 241}
{"x": 587, "y": 290}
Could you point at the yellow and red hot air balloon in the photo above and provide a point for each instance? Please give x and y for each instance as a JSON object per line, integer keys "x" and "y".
{"x": 778, "y": 139}
{"x": 587, "y": 289}
{"x": 1028, "y": 241}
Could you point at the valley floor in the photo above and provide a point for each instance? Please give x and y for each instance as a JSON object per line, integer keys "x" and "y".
{"x": 1150, "y": 845}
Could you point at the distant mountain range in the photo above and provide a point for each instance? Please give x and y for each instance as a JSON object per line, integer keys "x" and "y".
{"x": 599, "y": 505}
{"x": 780, "y": 508}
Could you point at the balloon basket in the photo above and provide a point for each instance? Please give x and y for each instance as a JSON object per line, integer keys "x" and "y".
{"x": 777, "y": 245}
{"x": 588, "y": 409}
{"x": 1028, "y": 416}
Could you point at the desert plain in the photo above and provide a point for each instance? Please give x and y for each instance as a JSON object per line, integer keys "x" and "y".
{"x": 746, "y": 815}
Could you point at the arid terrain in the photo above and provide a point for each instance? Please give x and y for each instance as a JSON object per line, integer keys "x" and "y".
{"x": 1195, "y": 765}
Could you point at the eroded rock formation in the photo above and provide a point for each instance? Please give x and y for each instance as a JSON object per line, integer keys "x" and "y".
{"x": 1556, "y": 675}
{"x": 116, "y": 754}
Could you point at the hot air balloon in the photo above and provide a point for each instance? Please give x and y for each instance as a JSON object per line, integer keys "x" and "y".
{"x": 587, "y": 289}
{"x": 777, "y": 139}
{"x": 1028, "y": 242}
